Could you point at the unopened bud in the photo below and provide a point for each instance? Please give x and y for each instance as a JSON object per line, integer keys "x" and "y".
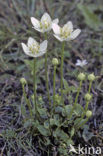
{"x": 55, "y": 61}
{"x": 91, "y": 77}
{"x": 81, "y": 77}
{"x": 23, "y": 81}
{"x": 57, "y": 98}
{"x": 88, "y": 114}
{"x": 40, "y": 98}
{"x": 32, "y": 97}
{"x": 88, "y": 97}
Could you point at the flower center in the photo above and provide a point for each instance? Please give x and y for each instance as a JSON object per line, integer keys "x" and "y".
{"x": 34, "y": 48}
{"x": 45, "y": 24}
{"x": 65, "y": 32}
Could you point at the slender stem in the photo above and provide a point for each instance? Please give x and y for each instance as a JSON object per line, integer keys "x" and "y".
{"x": 87, "y": 103}
{"x": 78, "y": 92}
{"x": 34, "y": 83}
{"x": 46, "y": 73}
{"x": 62, "y": 61}
{"x": 90, "y": 85}
{"x": 54, "y": 88}
{"x": 76, "y": 99}
{"x": 27, "y": 100}
{"x": 86, "y": 107}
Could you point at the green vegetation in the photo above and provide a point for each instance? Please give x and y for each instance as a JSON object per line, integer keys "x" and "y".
{"x": 49, "y": 134}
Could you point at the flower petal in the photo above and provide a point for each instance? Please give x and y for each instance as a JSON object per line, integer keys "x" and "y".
{"x": 38, "y": 29}
{"x": 85, "y": 62}
{"x": 59, "y": 38}
{"x": 77, "y": 64}
{"x": 40, "y": 54}
{"x": 69, "y": 25}
{"x": 31, "y": 41}
{"x": 56, "y": 21}
{"x": 78, "y": 61}
{"x": 43, "y": 46}
{"x": 35, "y": 22}
{"x": 74, "y": 34}
{"x": 46, "y": 29}
{"x": 46, "y": 17}
{"x": 25, "y": 49}
{"x": 56, "y": 28}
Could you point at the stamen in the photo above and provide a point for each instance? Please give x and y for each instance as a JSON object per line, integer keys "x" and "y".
{"x": 34, "y": 48}
{"x": 46, "y": 24}
{"x": 65, "y": 32}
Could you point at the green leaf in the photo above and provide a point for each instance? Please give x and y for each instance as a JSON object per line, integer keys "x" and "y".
{"x": 67, "y": 110}
{"x": 65, "y": 84}
{"x": 69, "y": 141}
{"x": 91, "y": 19}
{"x": 46, "y": 124}
{"x": 43, "y": 130}
{"x": 78, "y": 110}
{"x": 62, "y": 151}
{"x": 58, "y": 109}
{"x": 28, "y": 123}
{"x": 60, "y": 134}
{"x": 72, "y": 132}
{"x": 23, "y": 110}
{"x": 47, "y": 142}
{"x": 79, "y": 121}
{"x": 86, "y": 134}
{"x": 68, "y": 88}
{"x": 42, "y": 112}
{"x": 30, "y": 64}
{"x": 54, "y": 122}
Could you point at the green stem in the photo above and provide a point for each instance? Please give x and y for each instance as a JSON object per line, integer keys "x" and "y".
{"x": 76, "y": 99}
{"x": 87, "y": 103}
{"x": 46, "y": 73}
{"x": 27, "y": 100}
{"x": 78, "y": 92}
{"x": 82, "y": 124}
{"x": 34, "y": 83}
{"x": 86, "y": 107}
{"x": 62, "y": 61}
{"x": 90, "y": 85}
{"x": 54, "y": 88}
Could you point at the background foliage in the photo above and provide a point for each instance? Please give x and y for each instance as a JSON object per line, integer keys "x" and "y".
{"x": 15, "y": 27}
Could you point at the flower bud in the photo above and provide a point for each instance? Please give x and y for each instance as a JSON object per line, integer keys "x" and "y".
{"x": 88, "y": 114}
{"x": 55, "y": 61}
{"x": 81, "y": 77}
{"x": 91, "y": 77}
{"x": 57, "y": 98}
{"x": 40, "y": 98}
{"x": 88, "y": 97}
{"x": 32, "y": 97}
{"x": 64, "y": 145}
{"x": 23, "y": 81}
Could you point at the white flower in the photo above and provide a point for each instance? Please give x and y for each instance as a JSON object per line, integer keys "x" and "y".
{"x": 45, "y": 24}
{"x": 81, "y": 63}
{"x": 33, "y": 48}
{"x": 65, "y": 33}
